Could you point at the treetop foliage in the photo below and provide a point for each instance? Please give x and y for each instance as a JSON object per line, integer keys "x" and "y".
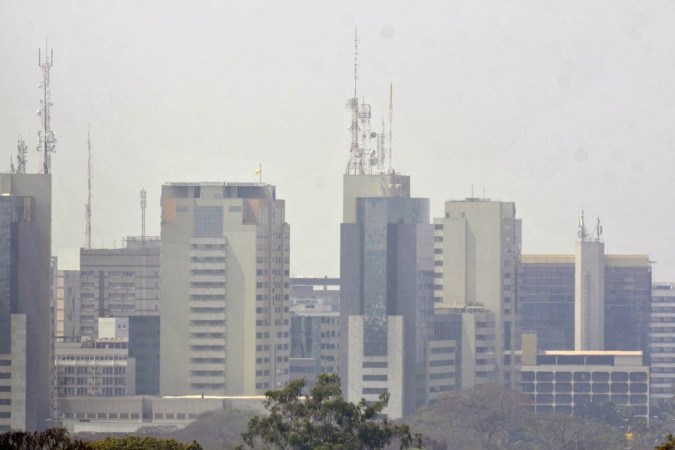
{"x": 323, "y": 420}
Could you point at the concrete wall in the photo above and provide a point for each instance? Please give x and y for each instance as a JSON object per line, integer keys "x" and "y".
{"x": 589, "y": 296}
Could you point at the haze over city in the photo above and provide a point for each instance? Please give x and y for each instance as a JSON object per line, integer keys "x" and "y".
{"x": 556, "y": 107}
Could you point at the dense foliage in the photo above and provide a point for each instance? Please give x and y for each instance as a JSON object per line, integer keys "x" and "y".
{"x": 59, "y": 439}
{"x": 323, "y": 420}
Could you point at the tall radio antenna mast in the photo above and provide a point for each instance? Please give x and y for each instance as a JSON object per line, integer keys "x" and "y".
{"x": 46, "y": 136}
{"x": 88, "y": 205}
{"x": 353, "y": 166}
{"x": 144, "y": 205}
{"x": 391, "y": 119}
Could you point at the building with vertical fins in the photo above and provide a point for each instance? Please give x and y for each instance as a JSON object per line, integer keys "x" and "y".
{"x": 25, "y": 295}
{"x": 224, "y": 320}
{"x": 588, "y": 300}
{"x": 477, "y": 256}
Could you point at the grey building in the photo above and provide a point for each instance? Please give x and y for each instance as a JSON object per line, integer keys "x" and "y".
{"x": 25, "y": 301}
{"x": 144, "y": 344}
{"x": 386, "y": 291}
{"x": 225, "y": 318}
{"x": 120, "y": 282}
{"x": 547, "y": 305}
{"x": 315, "y": 327}
{"x": 67, "y": 306}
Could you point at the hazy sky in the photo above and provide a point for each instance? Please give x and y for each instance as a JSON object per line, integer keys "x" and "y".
{"x": 557, "y": 106}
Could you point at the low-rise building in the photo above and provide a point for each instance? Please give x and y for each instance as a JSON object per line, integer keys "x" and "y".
{"x": 565, "y": 382}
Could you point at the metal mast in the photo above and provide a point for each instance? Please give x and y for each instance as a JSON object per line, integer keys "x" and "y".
{"x": 391, "y": 119}
{"x": 87, "y": 207}
{"x": 144, "y": 204}
{"x": 46, "y": 136}
{"x": 21, "y": 153}
{"x": 353, "y": 104}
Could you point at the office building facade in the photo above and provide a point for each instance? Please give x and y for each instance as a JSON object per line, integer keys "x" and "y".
{"x": 662, "y": 342}
{"x": 477, "y": 257}
{"x": 25, "y": 301}
{"x": 386, "y": 292}
{"x": 119, "y": 282}
{"x": 225, "y": 319}
{"x": 550, "y": 283}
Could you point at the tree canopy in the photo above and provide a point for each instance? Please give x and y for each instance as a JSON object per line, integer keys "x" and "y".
{"x": 323, "y": 420}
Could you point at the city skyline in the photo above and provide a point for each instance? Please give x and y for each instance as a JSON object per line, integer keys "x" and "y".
{"x": 556, "y": 109}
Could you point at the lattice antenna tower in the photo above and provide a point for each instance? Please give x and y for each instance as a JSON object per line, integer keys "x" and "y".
{"x": 46, "y": 136}
{"x": 21, "y": 156}
{"x": 391, "y": 120}
{"x": 87, "y": 207}
{"x": 353, "y": 104}
{"x": 144, "y": 205}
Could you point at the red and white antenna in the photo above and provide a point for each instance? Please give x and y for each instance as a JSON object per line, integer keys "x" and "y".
{"x": 46, "y": 136}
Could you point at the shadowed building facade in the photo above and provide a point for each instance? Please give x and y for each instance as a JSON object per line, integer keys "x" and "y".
{"x": 386, "y": 304}
{"x": 25, "y": 293}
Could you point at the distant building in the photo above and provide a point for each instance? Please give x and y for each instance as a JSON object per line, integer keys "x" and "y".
{"x": 315, "y": 327}
{"x": 315, "y": 336}
{"x": 319, "y": 294}
{"x": 225, "y": 319}
{"x": 547, "y": 292}
{"x": 119, "y": 282}
{"x": 25, "y": 301}
{"x": 546, "y": 297}
{"x": 386, "y": 291}
{"x": 477, "y": 256}
{"x": 144, "y": 344}
{"x": 461, "y": 350}
{"x": 100, "y": 367}
{"x": 67, "y": 307}
{"x": 662, "y": 342}
{"x": 566, "y": 382}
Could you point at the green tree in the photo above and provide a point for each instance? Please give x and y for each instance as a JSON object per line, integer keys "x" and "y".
{"x": 131, "y": 442}
{"x": 323, "y": 420}
{"x": 50, "y": 439}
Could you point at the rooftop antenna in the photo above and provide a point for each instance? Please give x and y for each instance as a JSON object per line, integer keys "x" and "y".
{"x": 46, "y": 136}
{"x": 144, "y": 205}
{"x": 582, "y": 232}
{"x": 21, "y": 153}
{"x": 391, "y": 119}
{"x": 353, "y": 104}
{"x": 87, "y": 207}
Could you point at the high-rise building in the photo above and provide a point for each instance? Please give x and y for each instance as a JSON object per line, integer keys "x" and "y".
{"x": 25, "y": 297}
{"x": 461, "y": 351}
{"x": 547, "y": 291}
{"x": 67, "y": 306}
{"x": 662, "y": 342}
{"x": 119, "y": 282}
{"x": 546, "y": 299}
{"x": 477, "y": 256}
{"x": 225, "y": 316}
{"x": 386, "y": 291}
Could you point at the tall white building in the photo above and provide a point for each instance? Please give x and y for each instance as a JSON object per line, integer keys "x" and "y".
{"x": 477, "y": 255}
{"x": 225, "y": 317}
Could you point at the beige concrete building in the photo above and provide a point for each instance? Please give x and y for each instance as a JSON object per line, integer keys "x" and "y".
{"x": 477, "y": 254}
{"x": 225, "y": 317}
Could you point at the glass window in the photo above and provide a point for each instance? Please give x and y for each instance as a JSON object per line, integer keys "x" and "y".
{"x": 208, "y": 221}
